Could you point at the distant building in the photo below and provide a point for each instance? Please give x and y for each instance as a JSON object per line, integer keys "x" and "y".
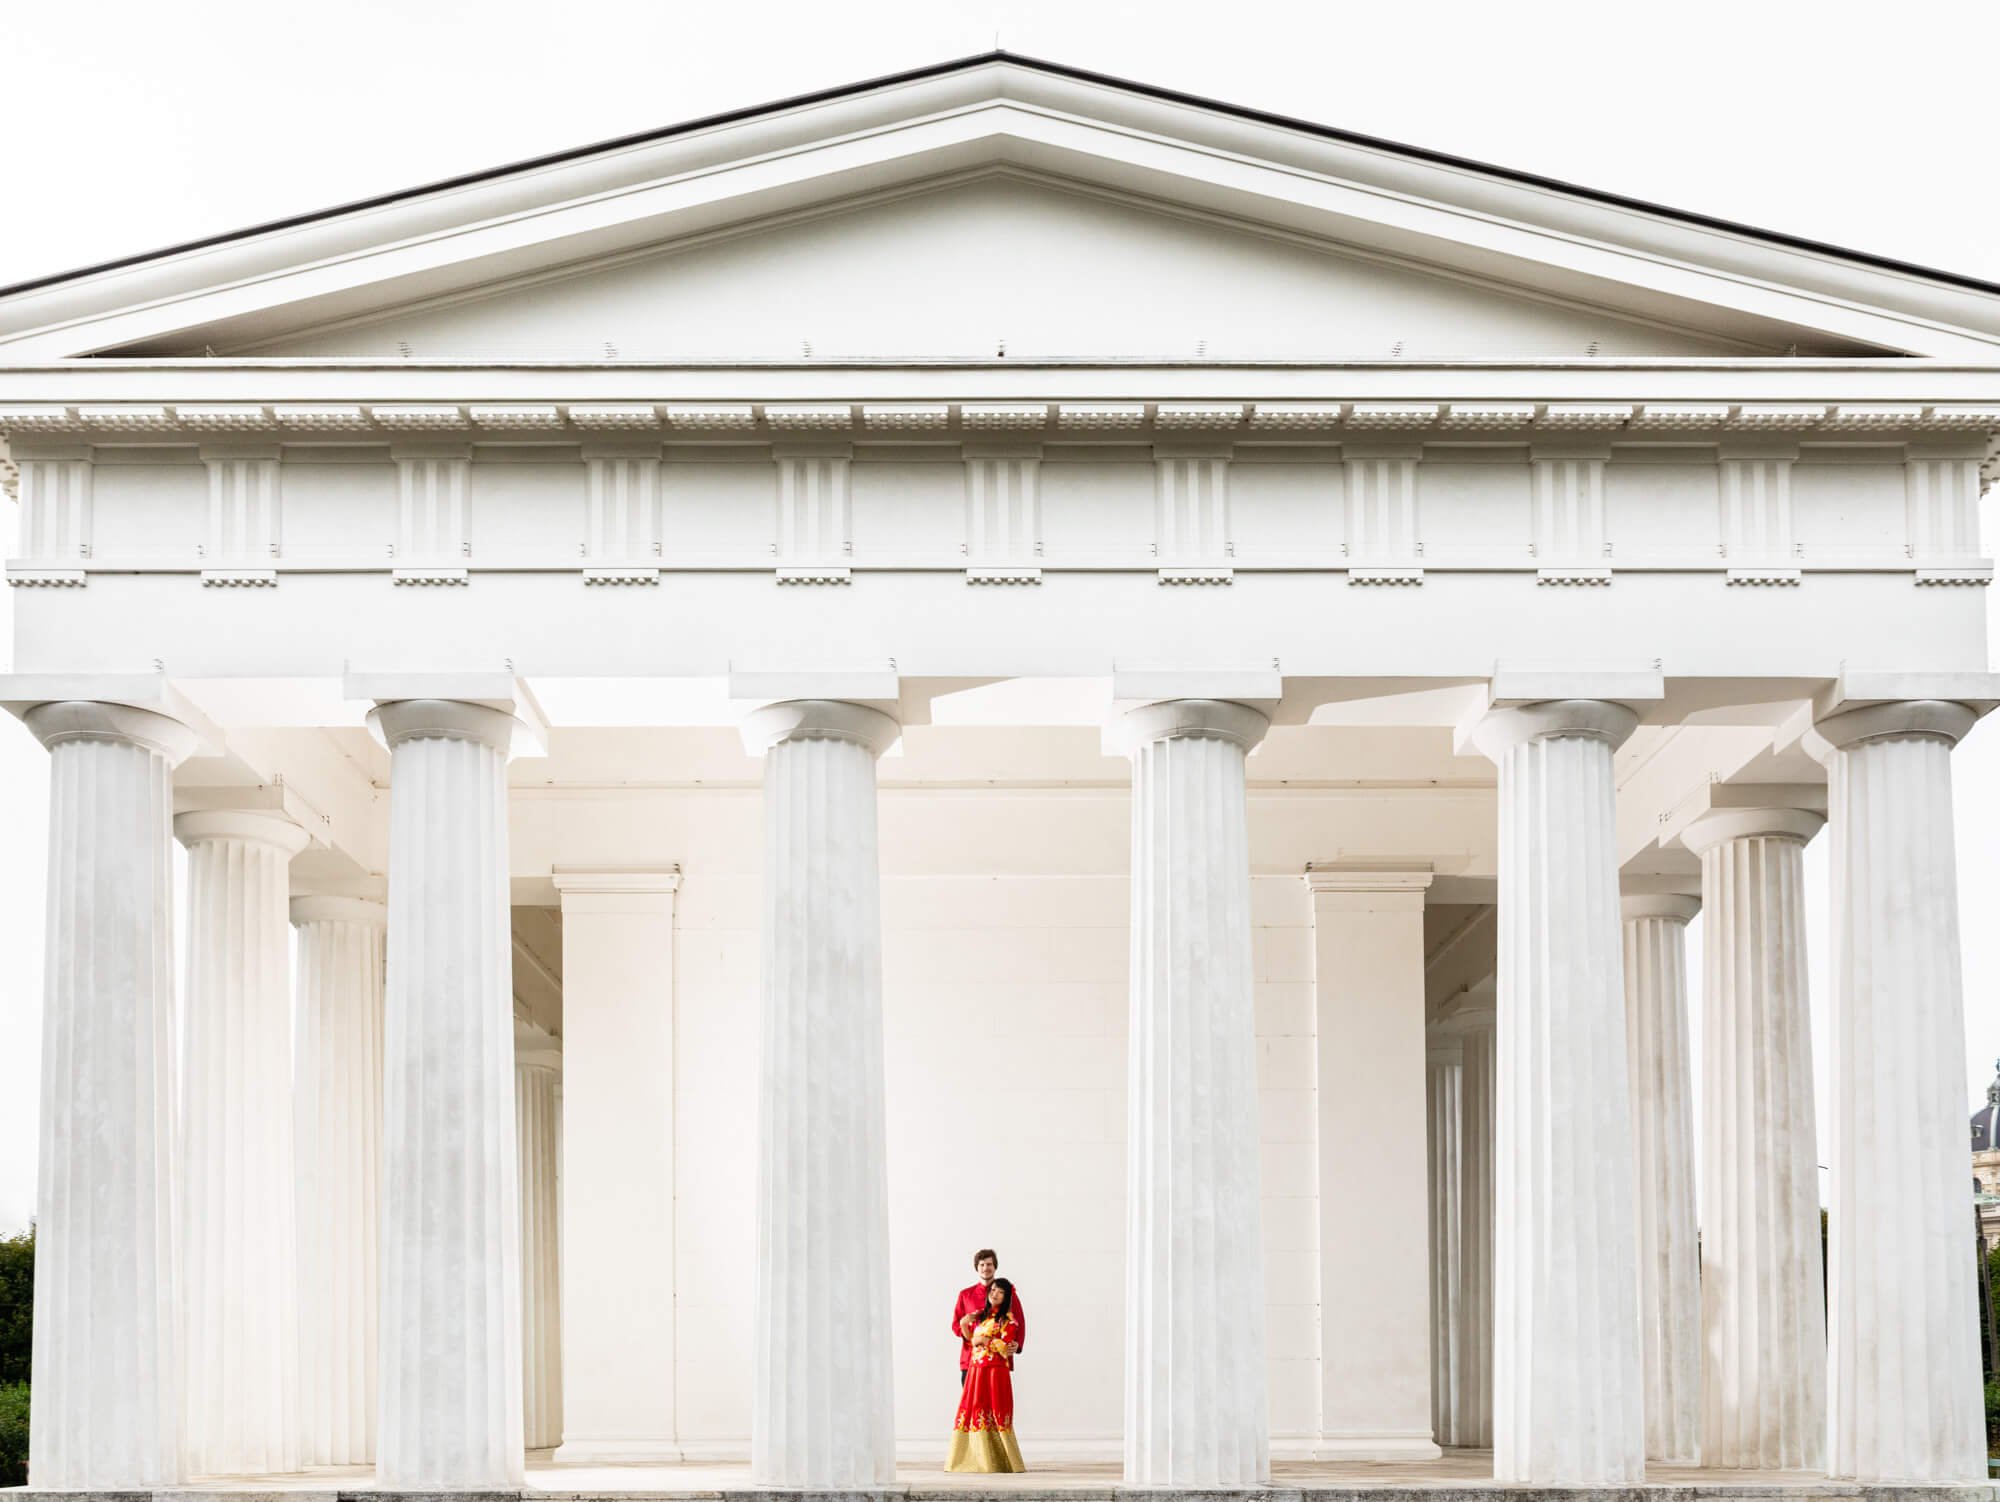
{"x": 1986, "y": 1161}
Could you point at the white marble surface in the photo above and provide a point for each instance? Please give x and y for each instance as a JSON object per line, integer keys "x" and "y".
{"x": 1763, "y": 1296}
{"x": 337, "y": 1091}
{"x": 1195, "y": 1400}
{"x": 538, "y": 1121}
{"x": 1662, "y": 1074}
{"x": 1444, "y": 1061}
{"x": 106, "y": 1360}
{"x": 1474, "y": 1019}
{"x": 823, "y": 1406}
{"x": 451, "y": 1260}
{"x": 1568, "y": 1391}
{"x": 1903, "y": 1354}
{"x": 240, "y": 1290}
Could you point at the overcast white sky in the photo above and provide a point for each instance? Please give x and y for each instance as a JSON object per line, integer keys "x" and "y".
{"x": 134, "y": 125}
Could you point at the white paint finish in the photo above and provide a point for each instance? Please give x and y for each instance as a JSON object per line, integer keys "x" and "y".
{"x": 243, "y": 509}
{"x": 624, "y": 1092}
{"x": 623, "y": 499}
{"x": 1943, "y": 502}
{"x": 1196, "y": 1408}
{"x": 1662, "y": 1093}
{"x": 1903, "y": 1351}
{"x": 1444, "y": 1061}
{"x": 814, "y": 523}
{"x": 1568, "y": 1395}
{"x": 537, "y": 1124}
{"x": 55, "y": 498}
{"x": 106, "y": 1359}
{"x": 239, "y": 1259}
{"x": 432, "y": 522}
{"x": 1367, "y": 967}
{"x": 1003, "y": 507}
{"x": 337, "y": 1133}
{"x": 1569, "y": 510}
{"x": 1382, "y": 516}
{"x": 1473, "y": 1343}
{"x": 1763, "y": 1299}
{"x": 451, "y": 1265}
{"x": 1757, "y": 511}
{"x": 1058, "y": 272}
{"x": 1191, "y": 508}
{"x": 823, "y": 1411}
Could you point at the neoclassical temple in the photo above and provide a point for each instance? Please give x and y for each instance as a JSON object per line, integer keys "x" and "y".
{"x": 998, "y": 657}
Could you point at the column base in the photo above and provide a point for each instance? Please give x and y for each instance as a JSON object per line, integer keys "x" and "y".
{"x": 634, "y": 1452}
{"x": 1386, "y": 1444}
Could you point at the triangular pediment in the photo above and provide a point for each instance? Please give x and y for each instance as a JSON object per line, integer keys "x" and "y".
{"x": 1000, "y": 263}
{"x": 944, "y": 213}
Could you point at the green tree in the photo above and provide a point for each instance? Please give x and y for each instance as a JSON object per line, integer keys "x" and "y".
{"x": 17, "y": 1305}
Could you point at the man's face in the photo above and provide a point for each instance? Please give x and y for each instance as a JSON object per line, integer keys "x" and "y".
{"x": 986, "y": 1267}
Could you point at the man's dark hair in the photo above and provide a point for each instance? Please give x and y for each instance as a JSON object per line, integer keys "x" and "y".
{"x": 982, "y": 1254}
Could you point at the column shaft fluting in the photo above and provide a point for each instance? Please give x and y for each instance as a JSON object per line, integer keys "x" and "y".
{"x": 1568, "y": 1394}
{"x": 1473, "y": 1422}
{"x": 106, "y": 1359}
{"x": 450, "y": 1353}
{"x": 823, "y": 1404}
{"x": 337, "y": 1084}
{"x": 538, "y": 1118}
{"x": 1904, "y": 1393}
{"x": 1763, "y": 1298}
{"x": 1442, "y": 1074}
{"x": 1195, "y": 1403}
{"x": 239, "y": 1258}
{"x": 1656, "y": 1024}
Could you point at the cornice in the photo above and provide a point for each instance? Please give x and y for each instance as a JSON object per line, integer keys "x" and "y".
{"x": 126, "y": 422}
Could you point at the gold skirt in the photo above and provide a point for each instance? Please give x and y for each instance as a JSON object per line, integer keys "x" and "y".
{"x": 984, "y": 1450}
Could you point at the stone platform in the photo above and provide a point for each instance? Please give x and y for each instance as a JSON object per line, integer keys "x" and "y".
{"x": 1458, "y": 1476}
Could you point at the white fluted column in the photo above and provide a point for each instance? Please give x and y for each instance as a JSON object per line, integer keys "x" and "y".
{"x": 337, "y": 1098}
{"x": 1763, "y": 1300}
{"x": 823, "y": 1404}
{"x": 1444, "y": 1058}
{"x": 238, "y": 1253}
{"x": 1568, "y": 1395}
{"x": 1472, "y": 1019}
{"x": 1196, "y": 1413}
{"x": 538, "y": 1120}
{"x": 1904, "y": 1391}
{"x": 106, "y": 1361}
{"x": 450, "y": 1375}
{"x": 1656, "y": 1039}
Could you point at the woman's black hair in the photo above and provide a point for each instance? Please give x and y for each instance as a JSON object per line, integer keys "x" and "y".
{"x": 1006, "y": 1302}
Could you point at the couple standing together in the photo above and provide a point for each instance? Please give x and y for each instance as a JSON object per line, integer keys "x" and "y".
{"x": 990, "y": 1327}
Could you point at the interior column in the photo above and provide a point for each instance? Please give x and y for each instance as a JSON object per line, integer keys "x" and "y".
{"x": 1471, "y": 1018}
{"x": 619, "y": 1338}
{"x": 1904, "y": 1393}
{"x": 451, "y": 1236}
{"x": 537, "y": 1126}
{"x": 1568, "y": 1394}
{"x": 1196, "y": 1406}
{"x": 337, "y": 1086}
{"x": 1764, "y": 1308}
{"x": 823, "y": 1405}
{"x": 1656, "y": 1038}
{"x": 106, "y": 1367}
{"x": 239, "y": 1256}
{"x": 1376, "y": 1329}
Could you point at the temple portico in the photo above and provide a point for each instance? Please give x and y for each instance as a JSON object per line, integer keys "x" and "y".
{"x": 682, "y": 848}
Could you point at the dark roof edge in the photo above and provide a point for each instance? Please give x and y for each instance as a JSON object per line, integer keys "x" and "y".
{"x": 1063, "y": 70}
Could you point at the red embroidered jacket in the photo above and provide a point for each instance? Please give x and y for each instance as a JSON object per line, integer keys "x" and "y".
{"x": 971, "y": 1301}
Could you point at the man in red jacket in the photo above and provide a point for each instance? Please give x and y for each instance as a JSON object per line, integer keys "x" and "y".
{"x": 965, "y": 1313}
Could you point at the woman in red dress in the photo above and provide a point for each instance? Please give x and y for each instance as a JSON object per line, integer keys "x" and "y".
{"x": 983, "y": 1437}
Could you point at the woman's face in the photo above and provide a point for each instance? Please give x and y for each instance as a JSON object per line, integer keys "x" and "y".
{"x": 994, "y": 1295}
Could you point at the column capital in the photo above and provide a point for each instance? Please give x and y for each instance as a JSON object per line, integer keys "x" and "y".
{"x": 1172, "y": 719}
{"x": 819, "y": 720}
{"x": 316, "y": 908}
{"x": 1499, "y": 731}
{"x": 62, "y": 720}
{"x": 1443, "y": 1044}
{"x": 1940, "y": 719}
{"x": 399, "y": 720}
{"x": 1672, "y": 906}
{"x": 265, "y": 827}
{"x": 1724, "y": 824}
